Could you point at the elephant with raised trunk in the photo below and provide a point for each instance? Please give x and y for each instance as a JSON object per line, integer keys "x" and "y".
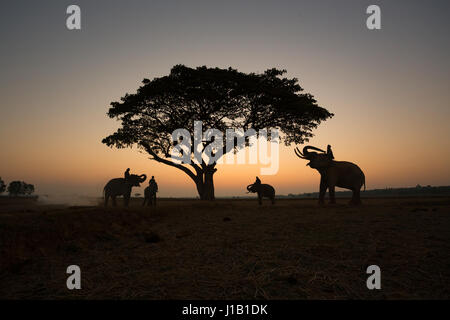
{"x": 333, "y": 174}
{"x": 122, "y": 187}
{"x": 263, "y": 190}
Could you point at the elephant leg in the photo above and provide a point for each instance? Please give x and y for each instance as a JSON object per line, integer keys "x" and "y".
{"x": 259, "y": 199}
{"x": 356, "y": 198}
{"x": 106, "y": 199}
{"x": 114, "y": 201}
{"x": 323, "y": 190}
{"x": 273, "y": 200}
{"x": 143, "y": 203}
{"x": 352, "y": 200}
{"x": 126, "y": 200}
{"x": 332, "y": 195}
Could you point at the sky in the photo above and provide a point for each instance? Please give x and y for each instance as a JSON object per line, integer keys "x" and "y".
{"x": 388, "y": 88}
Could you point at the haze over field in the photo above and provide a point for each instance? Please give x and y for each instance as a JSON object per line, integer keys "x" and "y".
{"x": 388, "y": 89}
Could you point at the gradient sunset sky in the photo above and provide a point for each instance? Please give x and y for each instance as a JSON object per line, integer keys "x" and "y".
{"x": 389, "y": 89}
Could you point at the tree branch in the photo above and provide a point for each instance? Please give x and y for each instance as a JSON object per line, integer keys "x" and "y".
{"x": 167, "y": 162}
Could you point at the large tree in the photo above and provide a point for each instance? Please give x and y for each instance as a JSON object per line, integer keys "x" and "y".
{"x": 220, "y": 98}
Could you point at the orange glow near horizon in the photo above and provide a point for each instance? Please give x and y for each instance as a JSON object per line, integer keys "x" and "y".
{"x": 84, "y": 170}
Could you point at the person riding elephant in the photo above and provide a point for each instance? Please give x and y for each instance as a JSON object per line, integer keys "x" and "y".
{"x": 127, "y": 174}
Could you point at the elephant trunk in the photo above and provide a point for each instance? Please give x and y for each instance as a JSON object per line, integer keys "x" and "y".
{"x": 142, "y": 178}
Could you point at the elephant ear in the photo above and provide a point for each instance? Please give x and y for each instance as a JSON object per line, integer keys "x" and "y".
{"x": 330, "y": 152}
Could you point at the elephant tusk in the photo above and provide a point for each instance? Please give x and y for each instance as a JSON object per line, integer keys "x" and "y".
{"x": 298, "y": 153}
{"x": 305, "y": 149}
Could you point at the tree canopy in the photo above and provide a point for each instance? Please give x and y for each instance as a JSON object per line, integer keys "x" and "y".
{"x": 222, "y": 99}
{"x": 20, "y": 188}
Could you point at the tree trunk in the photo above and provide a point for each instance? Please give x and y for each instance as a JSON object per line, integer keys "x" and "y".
{"x": 203, "y": 176}
{"x": 205, "y": 185}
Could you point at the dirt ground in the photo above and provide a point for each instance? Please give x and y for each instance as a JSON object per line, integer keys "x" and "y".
{"x": 227, "y": 249}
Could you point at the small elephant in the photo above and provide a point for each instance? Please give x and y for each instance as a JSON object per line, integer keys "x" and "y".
{"x": 263, "y": 190}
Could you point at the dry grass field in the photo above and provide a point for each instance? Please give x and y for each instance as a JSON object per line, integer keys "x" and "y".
{"x": 227, "y": 249}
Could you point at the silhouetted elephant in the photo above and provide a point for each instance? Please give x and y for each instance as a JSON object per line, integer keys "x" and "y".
{"x": 333, "y": 174}
{"x": 150, "y": 193}
{"x": 122, "y": 187}
{"x": 263, "y": 190}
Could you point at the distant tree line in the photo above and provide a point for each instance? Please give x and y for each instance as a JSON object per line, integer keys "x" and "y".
{"x": 16, "y": 188}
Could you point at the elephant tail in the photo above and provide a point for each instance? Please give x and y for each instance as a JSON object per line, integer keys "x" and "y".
{"x": 364, "y": 181}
